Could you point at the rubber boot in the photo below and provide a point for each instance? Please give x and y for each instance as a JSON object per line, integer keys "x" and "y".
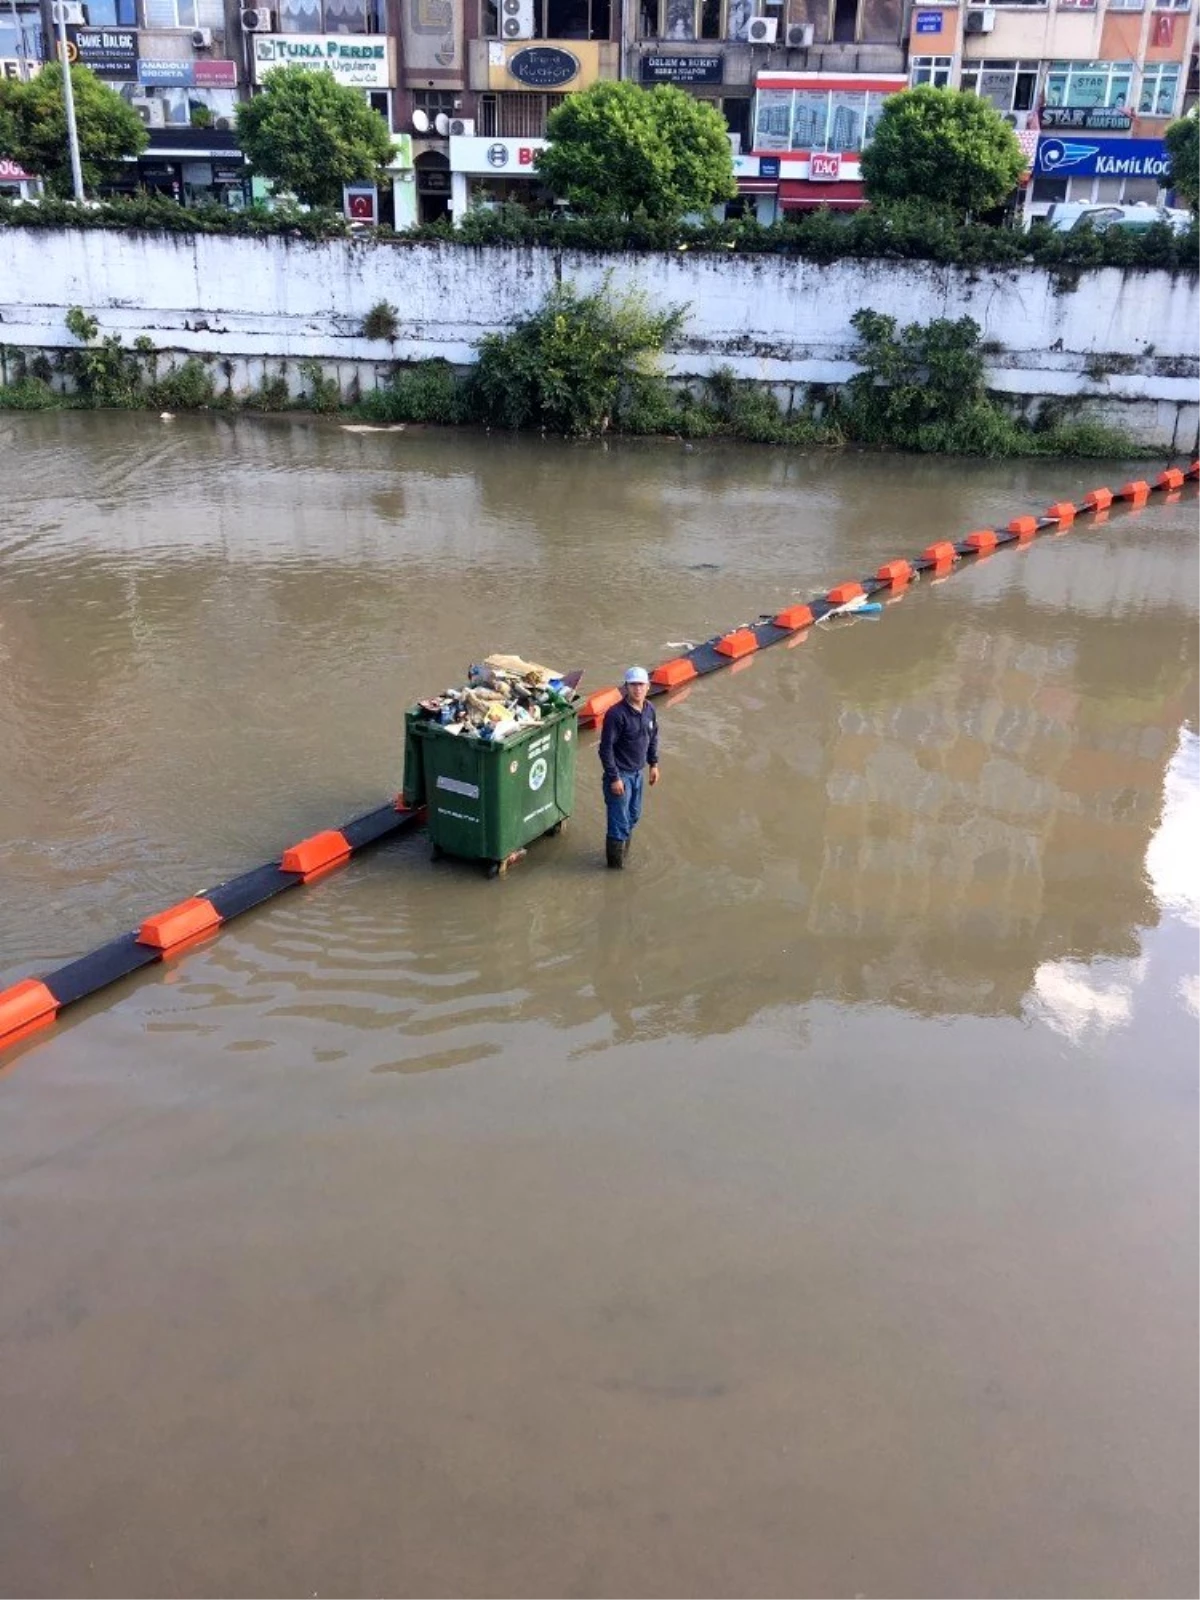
{"x": 614, "y": 852}
{"x": 626, "y": 847}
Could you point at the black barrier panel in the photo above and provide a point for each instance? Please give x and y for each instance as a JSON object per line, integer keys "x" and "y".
{"x": 102, "y": 967}
{"x": 250, "y": 889}
{"x": 377, "y": 824}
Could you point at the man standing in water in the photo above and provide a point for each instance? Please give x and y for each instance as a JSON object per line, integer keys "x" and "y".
{"x": 628, "y": 743}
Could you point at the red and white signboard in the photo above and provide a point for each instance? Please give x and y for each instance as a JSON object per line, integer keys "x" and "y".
{"x": 361, "y": 203}
{"x": 824, "y": 166}
{"x": 10, "y": 172}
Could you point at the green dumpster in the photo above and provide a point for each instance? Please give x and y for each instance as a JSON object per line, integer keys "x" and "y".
{"x": 488, "y": 799}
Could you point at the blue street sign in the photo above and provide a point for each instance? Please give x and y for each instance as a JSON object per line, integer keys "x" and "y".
{"x": 928, "y": 22}
{"x": 1101, "y": 158}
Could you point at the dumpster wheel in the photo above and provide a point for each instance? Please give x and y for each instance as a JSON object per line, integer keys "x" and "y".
{"x": 499, "y": 869}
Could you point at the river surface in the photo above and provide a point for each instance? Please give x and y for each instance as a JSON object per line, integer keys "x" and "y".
{"x": 809, "y": 1210}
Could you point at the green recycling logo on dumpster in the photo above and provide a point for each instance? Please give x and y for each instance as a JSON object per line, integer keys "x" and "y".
{"x": 537, "y": 773}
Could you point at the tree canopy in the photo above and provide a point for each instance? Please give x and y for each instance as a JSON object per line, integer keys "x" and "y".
{"x": 1183, "y": 147}
{"x": 620, "y": 150}
{"x": 33, "y": 127}
{"x": 310, "y": 135}
{"x": 947, "y": 147}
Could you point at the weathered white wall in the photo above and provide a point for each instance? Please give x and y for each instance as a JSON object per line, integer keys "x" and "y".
{"x": 775, "y": 320}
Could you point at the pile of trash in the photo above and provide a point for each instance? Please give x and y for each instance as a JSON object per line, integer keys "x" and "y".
{"x": 503, "y": 695}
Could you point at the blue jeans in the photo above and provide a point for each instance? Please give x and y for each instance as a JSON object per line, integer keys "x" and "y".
{"x": 624, "y": 809}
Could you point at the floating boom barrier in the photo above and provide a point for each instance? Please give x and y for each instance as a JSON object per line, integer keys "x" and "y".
{"x": 34, "y": 1003}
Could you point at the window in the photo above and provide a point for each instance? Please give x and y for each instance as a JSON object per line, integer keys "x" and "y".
{"x": 816, "y": 119}
{"x": 178, "y": 13}
{"x": 1172, "y": 5}
{"x": 514, "y": 116}
{"x": 565, "y": 19}
{"x": 1008, "y": 85}
{"x": 328, "y": 16}
{"x": 1089, "y": 83}
{"x": 1126, "y": 5}
{"x": 1160, "y": 89}
{"x": 113, "y": 14}
{"x": 692, "y": 19}
{"x": 20, "y": 36}
{"x": 435, "y": 102}
{"x": 936, "y": 70}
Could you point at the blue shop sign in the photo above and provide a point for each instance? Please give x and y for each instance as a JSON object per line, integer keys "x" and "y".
{"x": 167, "y": 74}
{"x": 928, "y": 22}
{"x": 1101, "y": 158}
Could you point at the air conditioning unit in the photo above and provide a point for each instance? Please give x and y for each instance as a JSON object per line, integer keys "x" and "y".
{"x": 202, "y": 38}
{"x": 68, "y": 12}
{"x": 735, "y": 143}
{"x": 258, "y": 20}
{"x": 800, "y": 35}
{"x": 516, "y": 19}
{"x": 762, "y": 30}
{"x": 1018, "y": 121}
{"x": 462, "y": 127}
{"x": 152, "y": 112}
{"x": 981, "y": 19}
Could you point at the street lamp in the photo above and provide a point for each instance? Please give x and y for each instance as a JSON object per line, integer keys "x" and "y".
{"x": 65, "y": 11}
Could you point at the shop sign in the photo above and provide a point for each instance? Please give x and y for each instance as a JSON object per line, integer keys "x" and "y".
{"x": 1110, "y": 158}
{"x": 543, "y": 66}
{"x": 162, "y": 74}
{"x": 824, "y": 166}
{"x": 683, "y": 69}
{"x": 927, "y": 22}
{"x": 514, "y": 157}
{"x": 768, "y": 166}
{"x": 1096, "y": 119}
{"x": 354, "y": 59}
{"x": 108, "y": 52}
{"x": 10, "y": 172}
{"x": 14, "y": 67}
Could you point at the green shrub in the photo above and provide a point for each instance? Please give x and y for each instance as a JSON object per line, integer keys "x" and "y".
{"x": 29, "y": 394}
{"x": 428, "y": 391}
{"x": 323, "y": 394}
{"x": 188, "y": 387}
{"x": 271, "y": 395}
{"x": 567, "y": 368}
{"x": 381, "y": 322}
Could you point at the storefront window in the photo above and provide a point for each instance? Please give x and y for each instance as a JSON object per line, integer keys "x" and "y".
{"x": 931, "y": 69}
{"x": 1008, "y": 85}
{"x": 819, "y": 119}
{"x": 810, "y": 119}
{"x": 1160, "y": 89}
{"x": 772, "y": 119}
{"x": 1089, "y": 83}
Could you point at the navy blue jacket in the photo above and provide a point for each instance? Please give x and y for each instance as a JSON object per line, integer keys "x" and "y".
{"x": 628, "y": 739}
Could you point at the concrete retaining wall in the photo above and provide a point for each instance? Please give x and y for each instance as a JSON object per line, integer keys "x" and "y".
{"x": 1125, "y": 341}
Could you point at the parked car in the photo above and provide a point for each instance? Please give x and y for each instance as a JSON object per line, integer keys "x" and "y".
{"x": 1066, "y": 216}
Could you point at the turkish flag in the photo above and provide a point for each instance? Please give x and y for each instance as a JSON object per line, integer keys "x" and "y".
{"x": 362, "y": 207}
{"x": 1164, "y": 28}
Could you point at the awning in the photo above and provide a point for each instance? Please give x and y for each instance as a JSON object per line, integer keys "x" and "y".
{"x": 796, "y": 195}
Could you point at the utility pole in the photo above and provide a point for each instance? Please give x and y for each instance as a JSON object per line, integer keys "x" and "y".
{"x": 22, "y": 49}
{"x": 61, "y": 7}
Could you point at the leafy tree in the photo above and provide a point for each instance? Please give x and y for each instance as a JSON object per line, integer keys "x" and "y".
{"x": 620, "y": 150}
{"x": 944, "y": 147}
{"x": 310, "y": 135}
{"x": 1183, "y": 147}
{"x": 33, "y": 127}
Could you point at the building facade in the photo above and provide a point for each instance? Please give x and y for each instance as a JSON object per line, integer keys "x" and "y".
{"x": 467, "y": 85}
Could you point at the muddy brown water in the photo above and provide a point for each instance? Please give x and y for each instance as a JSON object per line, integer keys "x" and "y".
{"x": 809, "y": 1210}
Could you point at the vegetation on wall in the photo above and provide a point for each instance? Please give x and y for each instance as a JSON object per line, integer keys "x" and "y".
{"x": 589, "y": 364}
{"x": 908, "y": 232}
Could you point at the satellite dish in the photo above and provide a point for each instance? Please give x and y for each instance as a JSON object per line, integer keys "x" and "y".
{"x": 442, "y": 123}
{"x": 421, "y": 121}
